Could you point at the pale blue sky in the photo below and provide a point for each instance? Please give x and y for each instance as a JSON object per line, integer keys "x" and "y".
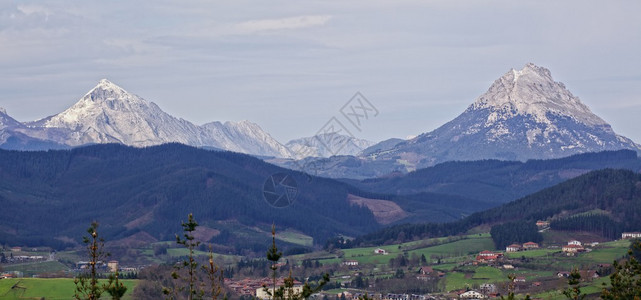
{"x": 291, "y": 65}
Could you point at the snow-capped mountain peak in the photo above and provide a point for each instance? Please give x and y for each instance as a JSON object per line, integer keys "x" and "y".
{"x": 532, "y": 91}
{"x": 524, "y": 115}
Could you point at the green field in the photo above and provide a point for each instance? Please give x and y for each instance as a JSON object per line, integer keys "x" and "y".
{"x": 295, "y": 238}
{"x": 489, "y": 274}
{"x": 531, "y": 253}
{"x": 50, "y": 289}
{"x": 465, "y": 247}
{"x": 35, "y": 268}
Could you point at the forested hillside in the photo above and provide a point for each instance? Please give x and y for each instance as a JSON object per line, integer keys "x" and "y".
{"x": 49, "y": 198}
{"x": 616, "y": 192}
{"x": 497, "y": 181}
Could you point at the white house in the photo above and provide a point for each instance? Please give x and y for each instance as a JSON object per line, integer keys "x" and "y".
{"x": 631, "y": 235}
{"x": 472, "y": 295}
{"x": 572, "y": 248}
{"x": 513, "y": 248}
{"x": 351, "y": 263}
{"x": 380, "y": 251}
{"x": 574, "y": 242}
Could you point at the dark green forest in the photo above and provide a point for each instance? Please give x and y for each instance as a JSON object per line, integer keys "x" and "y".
{"x": 47, "y": 197}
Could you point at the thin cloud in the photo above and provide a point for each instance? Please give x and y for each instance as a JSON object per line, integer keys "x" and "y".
{"x": 282, "y": 23}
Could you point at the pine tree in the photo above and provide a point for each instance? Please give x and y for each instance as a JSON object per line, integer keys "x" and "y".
{"x": 287, "y": 292}
{"x": 196, "y": 287}
{"x": 115, "y": 288}
{"x": 626, "y": 278}
{"x": 574, "y": 291}
{"x": 87, "y": 284}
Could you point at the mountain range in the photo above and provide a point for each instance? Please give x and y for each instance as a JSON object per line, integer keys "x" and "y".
{"x": 525, "y": 114}
{"x": 109, "y": 114}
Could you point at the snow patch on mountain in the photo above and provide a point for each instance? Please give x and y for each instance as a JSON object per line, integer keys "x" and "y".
{"x": 532, "y": 91}
{"x": 327, "y": 145}
{"x": 244, "y": 137}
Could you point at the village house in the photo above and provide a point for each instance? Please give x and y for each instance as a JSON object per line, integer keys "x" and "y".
{"x": 572, "y": 248}
{"x": 563, "y": 274}
{"x": 530, "y": 245}
{"x": 588, "y": 274}
{"x": 16, "y": 249}
{"x": 350, "y": 263}
{"x": 112, "y": 266}
{"x": 575, "y": 242}
{"x": 542, "y": 224}
{"x": 519, "y": 279}
{"x": 425, "y": 270}
{"x": 631, "y": 235}
{"x": 486, "y": 256}
{"x": 472, "y": 295}
{"x": 380, "y": 251}
{"x": 513, "y": 248}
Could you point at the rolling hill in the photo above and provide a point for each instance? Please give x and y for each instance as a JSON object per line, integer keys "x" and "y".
{"x": 49, "y": 198}
{"x": 615, "y": 192}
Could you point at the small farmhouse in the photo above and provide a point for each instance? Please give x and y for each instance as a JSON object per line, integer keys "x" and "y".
{"x": 380, "y": 251}
{"x": 112, "y": 266}
{"x": 530, "y": 245}
{"x": 488, "y": 256}
{"x": 572, "y": 248}
{"x": 513, "y": 248}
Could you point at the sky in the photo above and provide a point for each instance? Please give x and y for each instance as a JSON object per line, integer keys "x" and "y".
{"x": 290, "y": 66}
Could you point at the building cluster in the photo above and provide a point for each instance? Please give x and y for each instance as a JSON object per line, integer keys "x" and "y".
{"x": 487, "y": 256}
{"x": 524, "y": 247}
{"x": 256, "y": 287}
{"x": 381, "y": 296}
{"x": 631, "y": 235}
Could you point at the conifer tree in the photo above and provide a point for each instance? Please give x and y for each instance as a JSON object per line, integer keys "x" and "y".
{"x": 196, "y": 287}
{"x": 626, "y": 278}
{"x": 574, "y": 292}
{"x": 287, "y": 291}
{"x": 115, "y": 288}
{"x": 87, "y": 284}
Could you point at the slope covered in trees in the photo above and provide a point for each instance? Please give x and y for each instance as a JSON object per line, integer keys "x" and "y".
{"x": 497, "y": 181}
{"x": 617, "y": 192}
{"x": 48, "y": 197}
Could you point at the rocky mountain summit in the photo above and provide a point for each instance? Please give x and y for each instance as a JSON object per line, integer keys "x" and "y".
{"x": 524, "y": 115}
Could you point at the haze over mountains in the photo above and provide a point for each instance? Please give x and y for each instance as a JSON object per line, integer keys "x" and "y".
{"x": 524, "y": 115}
